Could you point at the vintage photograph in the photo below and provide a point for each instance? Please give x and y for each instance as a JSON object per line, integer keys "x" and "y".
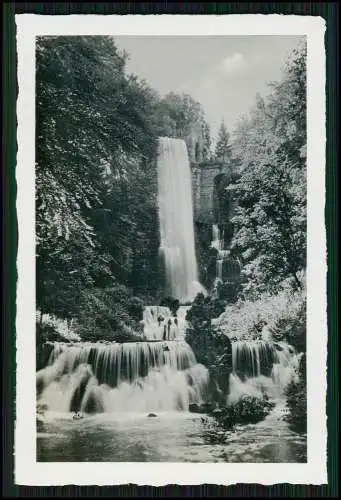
{"x": 171, "y": 241}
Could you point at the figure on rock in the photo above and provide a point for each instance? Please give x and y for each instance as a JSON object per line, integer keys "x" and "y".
{"x": 169, "y": 327}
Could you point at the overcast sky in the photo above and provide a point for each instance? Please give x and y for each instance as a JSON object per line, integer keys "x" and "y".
{"x": 222, "y": 73}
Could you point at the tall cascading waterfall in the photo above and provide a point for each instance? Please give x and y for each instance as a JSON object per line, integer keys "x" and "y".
{"x": 177, "y": 246}
{"x": 259, "y": 366}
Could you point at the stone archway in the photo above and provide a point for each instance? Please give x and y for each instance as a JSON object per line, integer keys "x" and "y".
{"x": 204, "y": 188}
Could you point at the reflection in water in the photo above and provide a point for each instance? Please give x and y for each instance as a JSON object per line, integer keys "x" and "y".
{"x": 170, "y": 437}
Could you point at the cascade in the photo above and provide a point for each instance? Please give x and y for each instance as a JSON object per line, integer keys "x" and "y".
{"x": 176, "y": 220}
{"x": 259, "y": 366}
{"x": 113, "y": 377}
{"x": 219, "y": 271}
{"x": 222, "y": 254}
{"x": 232, "y": 267}
{"x": 216, "y": 240}
{"x": 157, "y": 318}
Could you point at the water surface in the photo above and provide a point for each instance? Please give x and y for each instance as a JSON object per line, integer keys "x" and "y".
{"x": 169, "y": 437}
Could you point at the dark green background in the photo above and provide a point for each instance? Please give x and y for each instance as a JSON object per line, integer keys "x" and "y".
{"x": 327, "y": 10}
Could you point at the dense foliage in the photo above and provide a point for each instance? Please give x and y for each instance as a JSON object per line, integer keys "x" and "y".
{"x": 270, "y": 224}
{"x": 278, "y": 316}
{"x": 97, "y": 224}
{"x": 211, "y": 348}
{"x": 267, "y": 234}
{"x": 248, "y": 409}
{"x": 223, "y": 151}
{"x": 296, "y": 394}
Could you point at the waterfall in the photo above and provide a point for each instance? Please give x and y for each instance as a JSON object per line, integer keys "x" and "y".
{"x": 222, "y": 254}
{"x": 219, "y": 271}
{"x": 135, "y": 377}
{"x": 262, "y": 366}
{"x": 157, "y": 318}
{"x": 176, "y": 220}
{"x": 216, "y": 240}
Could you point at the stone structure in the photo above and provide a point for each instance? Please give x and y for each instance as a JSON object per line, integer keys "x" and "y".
{"x": 205, "y": 178}
{"x": 195, "y": 143}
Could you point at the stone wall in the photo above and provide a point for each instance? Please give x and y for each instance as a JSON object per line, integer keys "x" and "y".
{"x": 203, "y": 182}
{"x": 195, "y": 143}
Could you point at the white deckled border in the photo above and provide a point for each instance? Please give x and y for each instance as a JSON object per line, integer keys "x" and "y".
{"x": 27, "y": 470}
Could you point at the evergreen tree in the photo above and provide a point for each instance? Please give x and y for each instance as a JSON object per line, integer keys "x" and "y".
{"x": 223, "y": 147}
{"x": 207, "y": 153}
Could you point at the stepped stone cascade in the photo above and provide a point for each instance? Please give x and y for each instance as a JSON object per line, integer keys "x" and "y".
{"x": 161, "y": 373}
{"x": 129, "y": 377}
{"x": 177, "y": 247}
{"x": 262, "y": 366}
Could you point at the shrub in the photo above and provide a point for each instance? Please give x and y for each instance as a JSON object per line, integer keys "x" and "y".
{"x": 291, "y": 327}
{"x": 170, "y": 302}
{"x": 200, "y": 334}
{"x": 228, "y": 292}
{"x": 280, "y": 316}
{"x": 135, "y": 308}
{"x": 45, "y": 333}
{"x": 109, "y": 314}
{"x": 247, "y": 410}
{"x": 296, "y": 394}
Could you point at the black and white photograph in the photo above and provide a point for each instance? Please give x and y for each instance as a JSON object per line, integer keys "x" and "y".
{"x": 171, "y": 249}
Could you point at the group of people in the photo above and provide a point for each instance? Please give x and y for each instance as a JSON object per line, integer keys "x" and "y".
{"x": 167, "y": 333}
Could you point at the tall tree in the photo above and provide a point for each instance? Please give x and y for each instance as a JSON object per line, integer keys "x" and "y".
{"x": 95, "y": 137}
{"x": 97, "y": 224}
{"x": 223, "y": 147}
{"x": 270, "y": 224}
{"x": 207, "y": 152}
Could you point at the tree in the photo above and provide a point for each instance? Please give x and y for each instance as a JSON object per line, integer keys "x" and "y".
{"x": 96, "y": 223}
{"x": 95, "y": 144}
{"x": 270, "y": 224}
{"x": 207, "y": 153}
{"x": 223, "y": 147}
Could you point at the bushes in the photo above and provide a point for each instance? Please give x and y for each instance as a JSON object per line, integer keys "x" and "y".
{"x": 280, "y": 316}
{"x": 170, "y": 302}
{"x": 46, "y": 332}
{"x": 110, "y": 314}
{"x": 291, "y": 327}
{"x": 199, "y": 335}
{"x": 296, "y": 394}
{"x": 228, "y": 291}
{"x": 248, "y": 410}
{"x": 211, "y": 348}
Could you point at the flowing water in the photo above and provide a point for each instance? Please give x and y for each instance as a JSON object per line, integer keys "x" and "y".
{"x": 136, "y": 399}
{"x": 169, "y": 437}
{"x": 160, "y": 324}
{"x": 176, "y": 220}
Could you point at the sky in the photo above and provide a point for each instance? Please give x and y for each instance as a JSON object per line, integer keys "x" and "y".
{"x": 223, "y": 73}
